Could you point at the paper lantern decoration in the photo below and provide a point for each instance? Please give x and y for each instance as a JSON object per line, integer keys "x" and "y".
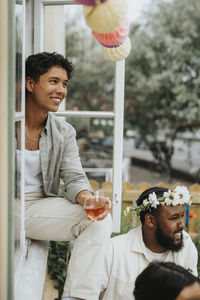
{"x": 107, "y": 16}
{"x": 90, "y": 2}
{"x": 107, "y": 19}
{"x": 115, "y": 38}
{"x": 117, "y": 53}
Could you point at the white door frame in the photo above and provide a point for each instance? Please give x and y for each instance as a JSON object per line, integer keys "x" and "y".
{"x": 117, "y": 115}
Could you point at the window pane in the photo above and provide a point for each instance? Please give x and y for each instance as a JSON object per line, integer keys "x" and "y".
{"x": 95, "y": 141}
{"x": 92, "y": 85}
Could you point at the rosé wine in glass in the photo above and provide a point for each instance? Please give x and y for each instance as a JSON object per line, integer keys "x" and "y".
{"x": 94, "y": 212}
{"x": 94, "y": 207}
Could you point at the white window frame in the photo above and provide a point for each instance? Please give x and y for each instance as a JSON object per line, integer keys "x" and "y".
{"x": 20, "y": 117}
{"x": 117, "y": 115}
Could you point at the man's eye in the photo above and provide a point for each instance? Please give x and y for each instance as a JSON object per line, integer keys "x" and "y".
{"x": 54, "y": 81}
{"x": 65, "y": 85}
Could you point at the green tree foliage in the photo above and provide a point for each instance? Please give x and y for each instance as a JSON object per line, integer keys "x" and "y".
{"x": 93, "y": 82}
{"x": 162, "y": 71}
{"x": 92, "y": 86}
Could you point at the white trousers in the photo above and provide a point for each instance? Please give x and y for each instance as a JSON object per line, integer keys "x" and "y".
{"x": 57, "y": 219}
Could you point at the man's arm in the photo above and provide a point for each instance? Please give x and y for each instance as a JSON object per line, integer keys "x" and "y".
{"x": 76, "y": 184}
{"x": 71, "y": 171}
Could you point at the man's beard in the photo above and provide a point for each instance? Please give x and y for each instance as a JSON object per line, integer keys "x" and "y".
{"x": 166, "y": 241}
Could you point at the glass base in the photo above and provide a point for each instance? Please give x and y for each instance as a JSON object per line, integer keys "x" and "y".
{"x": 93, "y": 243}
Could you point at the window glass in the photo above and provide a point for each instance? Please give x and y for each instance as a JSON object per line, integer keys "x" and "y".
{"x": 95, "y": 142}
{"x": 92, "y": 86}
{"x": 19, "y": 37}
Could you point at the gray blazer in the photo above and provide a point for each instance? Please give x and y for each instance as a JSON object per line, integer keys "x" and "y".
{"x": 60, "y": 159}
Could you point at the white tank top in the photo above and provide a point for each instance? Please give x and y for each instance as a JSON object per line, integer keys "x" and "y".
{"x": 33, "y": 171}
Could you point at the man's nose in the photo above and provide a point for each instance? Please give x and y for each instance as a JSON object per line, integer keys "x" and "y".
{"x": 61, "y": 89}
{"x": 181, "y": 223}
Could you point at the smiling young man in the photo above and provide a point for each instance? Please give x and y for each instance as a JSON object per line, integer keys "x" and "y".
{"x": 160, "y": 237}
{"x": 51, "y": 154}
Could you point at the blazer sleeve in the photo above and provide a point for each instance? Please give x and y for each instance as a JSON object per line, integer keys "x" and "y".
{"x": 71, "y": 171}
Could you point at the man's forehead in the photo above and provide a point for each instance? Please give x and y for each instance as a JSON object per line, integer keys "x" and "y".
{"x": 172, "y": 210}
{"x": 56, "y": 71}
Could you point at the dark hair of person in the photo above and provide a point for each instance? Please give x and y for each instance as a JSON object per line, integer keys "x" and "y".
{"x": 159, "y": 191}
{"x": 162, "y": 280}
{"x": 38, "y": 64}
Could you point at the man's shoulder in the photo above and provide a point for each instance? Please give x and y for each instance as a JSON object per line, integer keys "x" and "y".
{"x": 188, "y": 246}
{"x": 186, "y": 237}
{"x": 60, "y": 123}
{"x": 187, "y": 256}
{"x": 125, "y": 237}
{"x": 188, "y": 241}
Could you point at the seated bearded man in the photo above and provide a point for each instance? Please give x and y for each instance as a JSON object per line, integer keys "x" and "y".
{"x": 160, "y": 237}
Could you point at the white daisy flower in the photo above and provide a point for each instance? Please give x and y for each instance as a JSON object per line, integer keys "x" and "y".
{"x": 168, "y": 201}
{"x": 183, "y": 194}
{"x": 176, "y": 199}
{"x": 153, "y": 200}
{"x": 168, "y": 197}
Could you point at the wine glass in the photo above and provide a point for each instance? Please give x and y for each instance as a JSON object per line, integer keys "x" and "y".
{"x": 94, "y": 207}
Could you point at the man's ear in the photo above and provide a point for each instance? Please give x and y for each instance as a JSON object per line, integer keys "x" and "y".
{"x": 150, "y": 220}
{"x": 29, "y": 84}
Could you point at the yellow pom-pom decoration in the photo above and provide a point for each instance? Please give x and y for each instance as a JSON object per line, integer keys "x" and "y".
{"x": 117, "y": 53}
{"x": 106, "y": 17}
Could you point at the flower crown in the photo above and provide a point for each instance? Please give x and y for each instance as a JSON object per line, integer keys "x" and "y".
{"x": 179, "y": 196}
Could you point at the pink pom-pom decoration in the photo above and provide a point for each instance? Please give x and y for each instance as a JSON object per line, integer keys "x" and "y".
{"x": 90, "y": 2}
{"x": 117, "y": 53}
{"x": 115, "y": 38}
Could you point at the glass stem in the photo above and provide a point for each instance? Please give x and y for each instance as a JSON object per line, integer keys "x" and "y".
{"x": 93, "y": 232}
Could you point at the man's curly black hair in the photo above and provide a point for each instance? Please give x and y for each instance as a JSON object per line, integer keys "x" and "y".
{"x": 38, "y": 64}
{"x": 159, "y": 191}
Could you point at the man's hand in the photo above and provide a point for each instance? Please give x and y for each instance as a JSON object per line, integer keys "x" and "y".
{"x": 86, "y": 195}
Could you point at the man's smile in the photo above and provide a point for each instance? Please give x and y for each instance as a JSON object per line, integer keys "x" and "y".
{"x": 56, "y": 100}
{"x": 177, "y": 235}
